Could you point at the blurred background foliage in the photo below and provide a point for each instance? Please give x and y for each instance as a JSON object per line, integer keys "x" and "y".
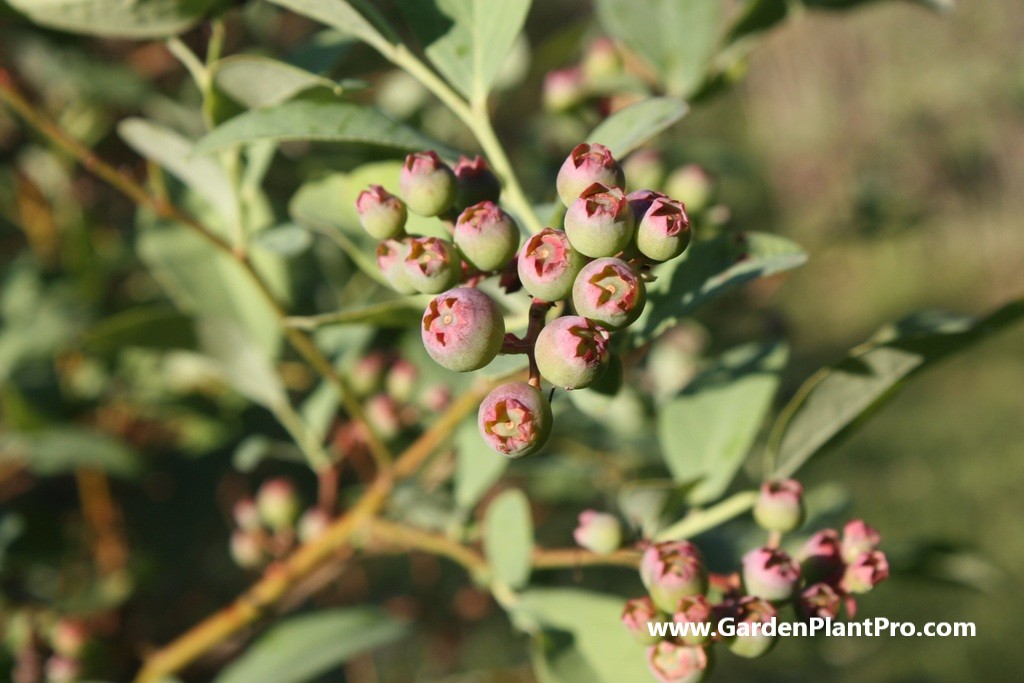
{"x": 888, "y": 141}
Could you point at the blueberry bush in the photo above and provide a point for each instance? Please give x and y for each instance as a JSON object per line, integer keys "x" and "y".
{"x": 403, "y": 279}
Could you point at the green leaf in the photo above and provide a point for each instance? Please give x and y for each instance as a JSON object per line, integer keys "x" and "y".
{"x": 477, "y": 468}
{"x": 677, "y": 38}
{"x": 288, "y": 240}
{"x": 581, "y": 637}
{"x": 155, "y": 327}
{"x": 403, "y": 312}
{"x": 301, "y": 649}
{"x": 320, "y": 117}
{"x": 204, "y": 281}
{"x": 137, "y": 19}
{"x": 837, "y": 398}
{"x": 60, "y": 450}
{"x": 467, "y": 40}
{"x": 628, "y": 128}
{"x": 707, "y": 431}
{"x": 367, "y": 25}
{"x": 242, "y": 362}
{"x": 648, "y": 504}
{"x": 257, "y": 81}
{"x": 709, "y": 268}
{"x": 173, "y": 151}
{"x": 256, "y": 448}
{"x": 508, "y": 537}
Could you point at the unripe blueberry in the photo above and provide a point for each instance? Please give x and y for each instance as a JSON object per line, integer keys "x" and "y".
{"x": 548, "y": 265}
{"x": 486, "y": 236}
{"x": 382, "y": 415}
{"x": 609, "y": 291}
{"x": 278, "y": 504}
{"x": 245, "y": 514}
{"x": 859, "y": 538}
{"x": 644, "y": 168}
{"x": 770, "y": 573}
{"x": 780, "y": 505}
{"x": 381, "y": 213}
{"x": 68, "y": 637}
{"x": 691, "y": 185}
{"x": 672, "y": 663}
{"x": 432, "y": 265}
{"x": 821, "y": 558}
{"x": 61, "y": 669}
{"x": 865, "y": 572}
{"x": 436, "y": 397}
{"x": 664, "y": 231}
{"x": 463, "y": 329}
{"x": 602, "y": 60}
{"x": 391, "y": 256}
{"x": 515, "y": 419}
{"x": 693, "y": 609}
{"x": 746, "y": 643}
{"x": 563, "y": 89}
{"x": 401, "y": 380}
{"x": 572, "y": 352}
{"x": 312, "y": 524}
{"x": 246, "y": 550}
{"x": 598, "y": 532}
{"x": 427, "y": 184}
{"x": 587, "y": 164}
{"x": 600, "y": 222}
{"x": 672, "y": 570}
{"x": 818, "y": 600}
{"x": 635, "y": 616}
{"x": 640, "y": 201}
{"x": 367, "y": 373}
{"x": 475, "y": 182}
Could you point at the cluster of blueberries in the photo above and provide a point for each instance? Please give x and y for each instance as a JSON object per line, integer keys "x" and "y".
{"x": 597, "y": 264}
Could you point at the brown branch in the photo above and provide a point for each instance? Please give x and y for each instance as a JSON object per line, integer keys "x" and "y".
{"x": 104, "y": 518}
{"x": 163, "y": 208}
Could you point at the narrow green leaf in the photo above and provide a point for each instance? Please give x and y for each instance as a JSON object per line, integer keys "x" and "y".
{"x": 156, "y": 327}
{"x": 707, "y": 431}
{"x": 508, "y": 537}
{"x": 581, "y": 637}
{"x": 837, "y": 398}
{"x": 346, "y": 18}
{"x": 62, "y": 450}
{"x": 467, "y": 40}
{"x": 629, "y": 128}
{"x": 707, "y": 269}
{"x": 257, "y": 81}
{"x": 288, "y": 240}
{"x": 648, "y": 504}
{"x": 476, "y": 467}
{"x": 138, "y": 19}
{"x": 677, "y": 38}
{"x": 303, "y": 648}
{"x": 173, "y": 151}
{"x": 402, "y": 312}
{"x": 315, "y": 116}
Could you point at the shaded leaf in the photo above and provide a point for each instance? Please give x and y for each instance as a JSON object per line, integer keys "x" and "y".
{"x": 709, "y": 268}
{"x": 64, "y": 449}
{"x": 319, "y": 117}
{"x": 155, "y": 327}
{"x": 241, "y": 362}
{"x": 508, "y": 537}
{"x": 363, "y": 23}
{"x": 476, "y": 467}
{"x": 581, "y": 637}
{"x": 257, "y": 81}
{"x": 837, "y": 398}
{"x": 677, "y": 38}
{"x": 707, "y": 431}
{"x": 300, "y": 649}
{"x": 256, "y": 448}
{"x": 648, "y": 505}
{"x": 116, "y": 18}
{"x": 629, "y": 128}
